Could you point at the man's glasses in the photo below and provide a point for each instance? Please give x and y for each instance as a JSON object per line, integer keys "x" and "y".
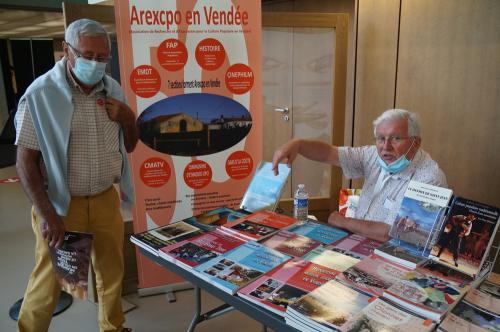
{"x": 391, "y": 139}
{"x": 103, "y": 59}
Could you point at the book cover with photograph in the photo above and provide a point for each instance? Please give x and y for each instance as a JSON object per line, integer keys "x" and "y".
{"x": 430, "y": 290}
{"x": 330, "y": 258}
{"x": 258, "y": 225}
{"x": 71, "y": 262}
{"x": 291, "y": 243}
{"x": 402, "y": 253}
{"x": 240, "y": 266}
{"x": 323, "y": 233}
{"x": 467, "y": 317}
{"x": 280, "y": 287}
{"x": 210, "y": 220}
{"x": 420, "y": 214}
{"x": 155, "y": 239}
{"x": 466, "y": 235}
{"x": 328, "y": 306}
{"x": 373, "y": 275}
{"x": 380, "y": 316}
{"x": 195, "y": 251}
{"x": 355, "y": 245}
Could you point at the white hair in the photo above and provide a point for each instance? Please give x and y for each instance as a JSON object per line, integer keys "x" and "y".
{"x": 85, "y": 27}
{"x": 395, "y": 114}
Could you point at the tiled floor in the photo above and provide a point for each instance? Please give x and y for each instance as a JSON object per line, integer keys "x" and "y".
{"x": 152, "y": 314}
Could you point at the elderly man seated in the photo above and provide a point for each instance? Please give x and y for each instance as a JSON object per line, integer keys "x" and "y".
{"x": 387, "y": 167}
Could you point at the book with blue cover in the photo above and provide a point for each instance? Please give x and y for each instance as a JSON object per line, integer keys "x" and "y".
{"x": 323, "y": 233}
{"x": 417, "y": 223}
{"x": 264, "y": 191}
{"x": 240, "y": 266}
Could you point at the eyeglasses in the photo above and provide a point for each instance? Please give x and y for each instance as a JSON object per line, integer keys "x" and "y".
{"x": 391, "y": 139}
{"x": 103, "y": 59}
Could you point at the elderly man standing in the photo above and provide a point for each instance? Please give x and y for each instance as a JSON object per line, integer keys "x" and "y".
{"x": 73, "y": 134}
{"x": 387, "y": 167}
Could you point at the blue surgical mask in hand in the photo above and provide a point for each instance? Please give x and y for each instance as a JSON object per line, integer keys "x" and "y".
{"x": 89, "y": 72}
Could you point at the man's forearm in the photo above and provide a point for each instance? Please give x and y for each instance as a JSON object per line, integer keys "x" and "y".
{"x": 372, "y": 229}
{"x": 28, "y": 170}
{"x": 375, "y": 230}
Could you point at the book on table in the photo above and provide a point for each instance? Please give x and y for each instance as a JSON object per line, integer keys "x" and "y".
{"x": 240, "y": 266}
{"x": 327, "y": 307}
{"x": 284, "y": 285}
{"x": 373, "y": 275}
{"x": 466, "y": 316}
{"x": 381, "y": 316}
{"x": 466, "y": 236}
{"x": 323, "y": 233}
{"x": 197, "y": 250}
{"x": 330, "y": 258}
{"x": 265, "y": 188}
{"x": 430, "y": 290}
{"x": 258, "y": 225}
{"x": 291, "y": 244}
{"x": 155, "y": 239}
{"x": 418, "y": 220}
{"x": 71, "y": 262}
{"x": 212, "y": 219}
{"x": 355, "y": 245}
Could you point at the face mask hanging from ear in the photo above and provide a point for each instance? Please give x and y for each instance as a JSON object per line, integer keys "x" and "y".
{"x": 89, "y": 72}
{"x": 398, "y": 165}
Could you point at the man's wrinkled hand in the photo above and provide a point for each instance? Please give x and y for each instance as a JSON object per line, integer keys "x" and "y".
{"x": 53, "y": 231}
{"x": 118, "y": 111}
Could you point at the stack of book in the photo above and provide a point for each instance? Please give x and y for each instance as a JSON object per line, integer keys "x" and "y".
{"x": 280, "y": 287}
{"x": 478, "y": 311}
{"x": 197, "y": 250}
{"x": 240, "y": 266}
{"x": 258, "y": 225}
{"x": 320, "y": 278}
{"x": 326, "y": 308}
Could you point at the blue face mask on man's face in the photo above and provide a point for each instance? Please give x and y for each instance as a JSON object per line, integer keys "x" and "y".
{"x": 398, "y": 165}
{"x": 89, "y": 72}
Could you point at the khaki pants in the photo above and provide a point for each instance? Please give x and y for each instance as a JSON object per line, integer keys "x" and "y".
{"x": 99, "y": 215}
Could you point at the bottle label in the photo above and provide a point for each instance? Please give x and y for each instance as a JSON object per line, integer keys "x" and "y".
{"x": 300, "y": 202}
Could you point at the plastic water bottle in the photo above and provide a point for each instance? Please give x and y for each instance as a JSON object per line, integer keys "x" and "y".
{"x": 300, "y": 204}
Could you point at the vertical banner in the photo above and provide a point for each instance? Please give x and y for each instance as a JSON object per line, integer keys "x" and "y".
{"x": 192, "y": 71}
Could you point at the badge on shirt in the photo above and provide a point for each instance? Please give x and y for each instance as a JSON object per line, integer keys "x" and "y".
{"x": 100, "y": 102}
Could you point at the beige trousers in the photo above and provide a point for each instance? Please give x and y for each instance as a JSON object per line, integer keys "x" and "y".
{"x": 99, "y": 215}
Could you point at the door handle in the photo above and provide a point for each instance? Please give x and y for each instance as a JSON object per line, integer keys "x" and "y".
{"x": 283, "y": 110}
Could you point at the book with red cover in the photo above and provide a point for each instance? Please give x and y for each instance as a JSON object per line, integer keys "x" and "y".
{"x": 355, "y": 245}
{"x": 195, "y": 251}
{"x": 373, "y": 275}
{"x": 258, "y": 225}
{"x": 291, "y": 243}
{"x": 282, "y": 286}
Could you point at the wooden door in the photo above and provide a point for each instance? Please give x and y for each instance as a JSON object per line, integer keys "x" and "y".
{"x": 304, "y": 85}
